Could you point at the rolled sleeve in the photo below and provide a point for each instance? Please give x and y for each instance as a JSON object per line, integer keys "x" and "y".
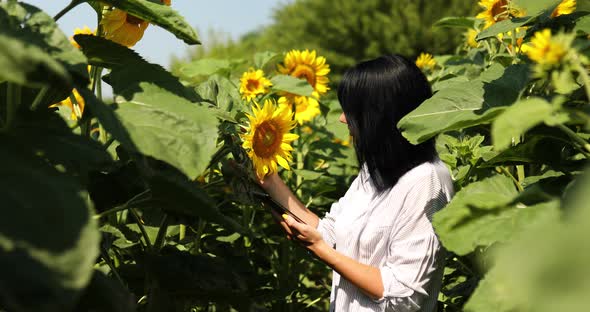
{"x": 407, "y": 272}
{"x": 414, "y": 255}
{"x": 326, "y": 225}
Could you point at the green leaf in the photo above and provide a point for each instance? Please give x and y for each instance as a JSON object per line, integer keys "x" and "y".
{"x": 542, "y": 145}
{"x": 106, "y": 294}
{"x": 201, "y": 276}
{"x": 518, "y": 119}
{"x": 564, "y": 82}
{"x": 504, "y": 26}
{"x": 465, "y": 104}
{"x": 108, "y": 119}
{"x": 34, "y": 51}
{"x": 583, "y": 25}
{"x": 169, "y": 128}
{"x": 536, "y": 7}
{"x": 175, "y": 194}
{"x": 129, "y": 69}
{"x": 29, "y": 65}
{"x": 451, "y": 21}
{"x": 545, "y": 268}
{"x": 481, "y": 214}
{"x": 46, "y": 135}
{"x": 48, "y": 240}
{"x": 105, "y": 53}
{"x": 262, "y": 59}
{"x": 308, "y": 174}
{"x": 291, "y": 84}
{"x": 221, "y": 92}
{"x": 158, "y": 14}
{"x": 203, "y": 67}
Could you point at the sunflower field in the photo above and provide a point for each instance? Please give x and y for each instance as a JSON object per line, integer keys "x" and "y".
{"x": 148, "y": 200}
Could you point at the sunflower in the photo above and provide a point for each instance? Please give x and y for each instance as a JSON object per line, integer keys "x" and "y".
{"x": 267, "y": 139}
{"x": 76, "y": 110}
{"x": 123, "y": 28}
{"x": 305, "y": 65}
{"x": 544, "y": 49}
{"x": 564, "y": 7}
{"x": 253, "y": 83}
{"x": 83, "y": 31}
{"x": 496, "y": 11}
{"x": 470, "y": 38}
{"x": 306, "y": 108}
{"x": 425, "y": 61}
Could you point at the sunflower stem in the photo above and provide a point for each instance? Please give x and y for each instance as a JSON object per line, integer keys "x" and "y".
{"x": 583, "y": 74}
{"x": 39, "y": 97}
{"x": 68, "y": 8}
{"x": 574, "y": 136}
{"x": 13, "y": 100}
{"x": 146, "y": 238}
{"x": 516, "y": 183}
{"x": 299, "y": 162}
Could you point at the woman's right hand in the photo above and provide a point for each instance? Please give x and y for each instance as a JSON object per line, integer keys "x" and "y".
{"x": 281, "y": 221}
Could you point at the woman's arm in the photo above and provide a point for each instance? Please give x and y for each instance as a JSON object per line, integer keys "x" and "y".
{"x": 280, "y": 192}
{"x": 367, "y": 278}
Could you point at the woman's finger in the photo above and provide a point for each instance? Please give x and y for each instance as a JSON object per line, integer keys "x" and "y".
{"x": 282, "y": 223}
{"x": 292, "y": 223}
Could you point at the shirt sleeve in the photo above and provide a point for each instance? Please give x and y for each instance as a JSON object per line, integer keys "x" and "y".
{"x": 326, "y": 224}
{"x": 415, "y": 255}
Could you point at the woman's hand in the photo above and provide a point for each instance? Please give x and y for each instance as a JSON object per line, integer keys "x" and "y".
{"x": 308, "y": 235}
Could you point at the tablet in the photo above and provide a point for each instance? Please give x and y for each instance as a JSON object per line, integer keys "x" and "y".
{"x": 276, "y": 205}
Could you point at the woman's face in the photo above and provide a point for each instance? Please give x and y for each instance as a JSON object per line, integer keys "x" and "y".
{"x": 342, "y": 119}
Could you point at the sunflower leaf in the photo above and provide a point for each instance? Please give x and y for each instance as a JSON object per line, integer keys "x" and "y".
{"x": 46, "y": 231}
{"x": 465, "y": 104}
{"x": 35, "y": 52}
{"x": 451, "y": 21}
{"x": 517, "y": 119}
{"x": 291, "y": 84}
{"x": 158, "y": 14}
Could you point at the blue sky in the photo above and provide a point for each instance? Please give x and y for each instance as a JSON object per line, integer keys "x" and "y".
{"x": 234, "y": 17}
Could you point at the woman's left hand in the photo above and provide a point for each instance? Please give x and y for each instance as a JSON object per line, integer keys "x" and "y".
{"x": 306, "y": 234}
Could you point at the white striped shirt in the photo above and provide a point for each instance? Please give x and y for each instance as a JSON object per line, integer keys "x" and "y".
{"x": 392, "y": 232}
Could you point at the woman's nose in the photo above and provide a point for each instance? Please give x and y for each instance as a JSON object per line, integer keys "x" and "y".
{"x": 342, "y": 118}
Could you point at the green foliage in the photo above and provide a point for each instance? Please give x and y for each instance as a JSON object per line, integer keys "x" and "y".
{"x": 158, "y": 14}
{"x": 350, "y": 31}
{"x": 145, "y": 203}
{"x": 465, "y": 103}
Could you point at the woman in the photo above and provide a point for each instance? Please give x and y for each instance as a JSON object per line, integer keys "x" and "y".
{"x": 378, "y": 238}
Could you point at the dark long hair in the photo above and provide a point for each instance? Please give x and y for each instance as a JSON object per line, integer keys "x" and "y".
{"x": 374, "y": 96}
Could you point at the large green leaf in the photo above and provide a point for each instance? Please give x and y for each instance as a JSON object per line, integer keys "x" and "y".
{"x": 542, "y": 145}
{"x": 517, "y": 119}
{"x": 451, "y": 21}
{"x": 481, "y": 214}
{"x": 204, "y": 67}
{"x": 29, "y": 65}
{"x": 48, "y": 240}
{"x": 128, "y": 69}
{"x": 46, "y": 135}
{"x": 158, "y": 14}
{"x": 34, "y": 51}
{"x": 546, "y": 268}
{"x": 169, "y": 128}
{"x": 222, "y": 92}
{"x": 175, "y": 194}
{"x": 465, "y": 104}
{"x": 291, "y": 84}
